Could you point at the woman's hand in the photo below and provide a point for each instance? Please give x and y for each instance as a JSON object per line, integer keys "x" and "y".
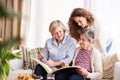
{"x": 63, "y": 64}
{"x": 53, "y": 64}
{"x": 40, "y": 56}
{"x": 50, "y": 63}
{"x": 82, "y": 71}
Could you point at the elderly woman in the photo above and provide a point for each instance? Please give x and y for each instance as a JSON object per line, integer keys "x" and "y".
{"x": 81, "y": 18}
{"x": 58, "y": 51}
{"x": 88, "y": 58}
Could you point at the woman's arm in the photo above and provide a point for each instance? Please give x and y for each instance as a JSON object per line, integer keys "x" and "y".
{"x": 70, "y": 52}
{"x": 45, "y": 51}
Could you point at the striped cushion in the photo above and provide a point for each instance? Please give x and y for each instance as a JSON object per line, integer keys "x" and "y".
{"x": 27, "y": 53}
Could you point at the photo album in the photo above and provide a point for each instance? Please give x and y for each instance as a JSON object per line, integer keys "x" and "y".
{"x": 50, "y": 70}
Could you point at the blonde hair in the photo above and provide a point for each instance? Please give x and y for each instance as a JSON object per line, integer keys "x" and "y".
{"x": 55, "y": 24}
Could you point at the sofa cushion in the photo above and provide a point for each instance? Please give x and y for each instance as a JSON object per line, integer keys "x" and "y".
{"x": 117, "y": 71}
{"x": 108, "y": 65}
{"x": 27, "y": 53}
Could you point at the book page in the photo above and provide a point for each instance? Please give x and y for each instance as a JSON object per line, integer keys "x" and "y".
{"x": 46, "y": 67}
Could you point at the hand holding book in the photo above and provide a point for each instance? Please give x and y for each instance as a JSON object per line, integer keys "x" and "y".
{"x": 50, "y": 70}
{"x": 82, "y": 71}
{"x": 64, "y": 64}
{"x": 41, "y": 57}
{"x": 52, "y": 63}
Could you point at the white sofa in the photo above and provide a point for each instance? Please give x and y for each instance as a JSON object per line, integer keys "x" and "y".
{"x": 22, "y": 65}
{"x": 117, "y": 71}
{"x": 17, "y": 65}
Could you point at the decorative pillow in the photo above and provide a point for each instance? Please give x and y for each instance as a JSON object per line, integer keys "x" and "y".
{"x": 108, "y": 65}
{"x": 34, "y": 53}
{"x": 27, "y": 53}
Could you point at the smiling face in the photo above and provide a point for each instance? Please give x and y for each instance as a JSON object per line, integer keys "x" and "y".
{"x": 58, "y": 34}
{"x": 81, "y": 21}
{"x": 57, "y": 29}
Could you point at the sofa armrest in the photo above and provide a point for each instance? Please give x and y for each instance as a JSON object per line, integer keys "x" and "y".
{"x": 117, "y": 71}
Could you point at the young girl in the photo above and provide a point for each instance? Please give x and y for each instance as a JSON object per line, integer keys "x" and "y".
{"x": 88, "y": 58}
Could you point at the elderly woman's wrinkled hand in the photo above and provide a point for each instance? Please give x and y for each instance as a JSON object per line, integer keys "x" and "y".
{"x": 50, "y": 63}
{"x": 40, "y": 56}
{"x": 82, "y": 71}
{"x": 63, "y": 64}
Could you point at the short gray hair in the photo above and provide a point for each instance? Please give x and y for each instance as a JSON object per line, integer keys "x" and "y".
{"x": 89, "y": 32}
{"x": 55, "y": 24}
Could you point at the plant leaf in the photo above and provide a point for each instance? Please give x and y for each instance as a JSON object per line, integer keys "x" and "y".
{"x": 3, "y": 76}
{"x": 7, "y": 67}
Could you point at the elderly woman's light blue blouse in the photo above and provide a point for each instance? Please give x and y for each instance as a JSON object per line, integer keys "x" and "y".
{"x": 64, "y": 52}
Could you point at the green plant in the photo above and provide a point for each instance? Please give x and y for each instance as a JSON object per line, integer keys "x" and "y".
{"x": 6, "y": 55}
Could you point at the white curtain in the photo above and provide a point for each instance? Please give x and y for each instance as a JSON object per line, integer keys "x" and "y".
{"x": 36, "y": 19}
{"x": 33, "y": 28}
{"x": 38, "y": 28}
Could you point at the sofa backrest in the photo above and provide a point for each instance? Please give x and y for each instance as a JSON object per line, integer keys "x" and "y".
{"x": 108, "y": 65}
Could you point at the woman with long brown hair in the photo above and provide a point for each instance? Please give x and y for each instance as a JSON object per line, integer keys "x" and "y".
{"x": 81, "y": 18}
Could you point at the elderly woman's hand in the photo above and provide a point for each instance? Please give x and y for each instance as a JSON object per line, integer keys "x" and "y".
{"x": 53, "y": 64}
{"x": 63, "y": 64}
{"x": 82, "y": 71}
{"x": 40, "y": 56}
{"x": 50, "y": 63}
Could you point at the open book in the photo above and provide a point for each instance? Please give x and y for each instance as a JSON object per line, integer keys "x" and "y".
{"x": 53, "y": 70}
